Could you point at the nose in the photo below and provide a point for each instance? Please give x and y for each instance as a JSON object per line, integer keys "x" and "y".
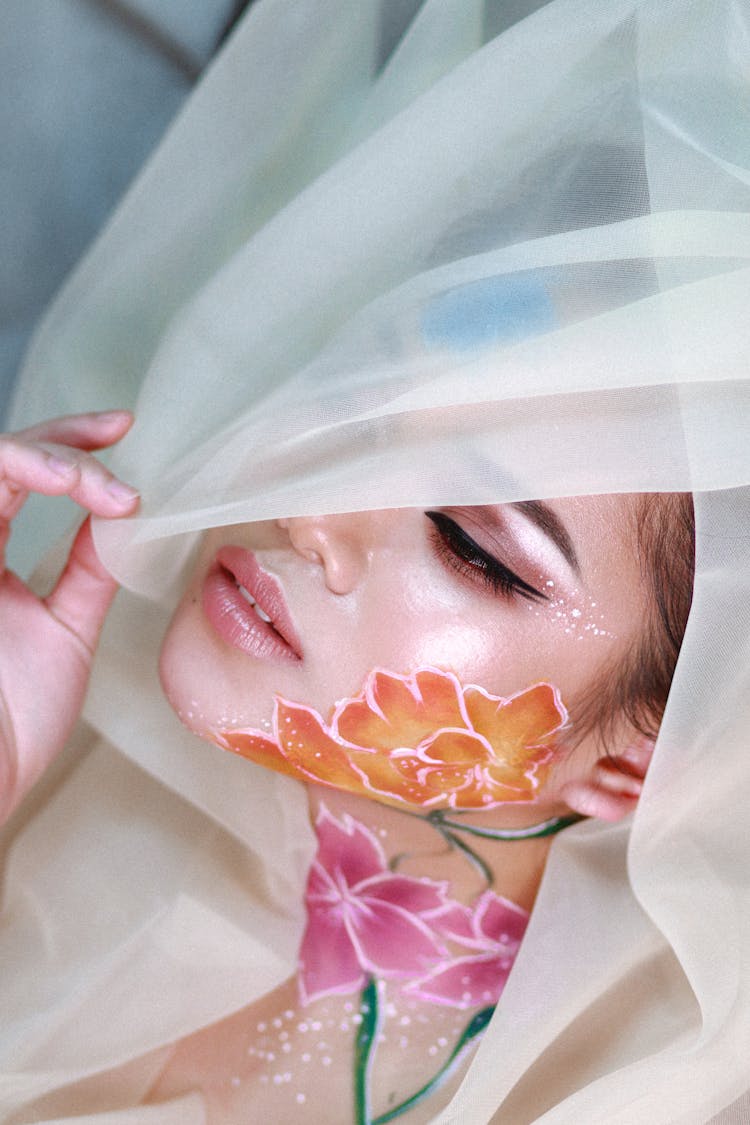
{"x": 339, "y": 544}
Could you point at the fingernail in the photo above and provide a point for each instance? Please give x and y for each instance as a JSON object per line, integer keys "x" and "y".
{"x": 121, "y": 492}
{"x": 112, "y": 415}
{"x": 60, "y": 466}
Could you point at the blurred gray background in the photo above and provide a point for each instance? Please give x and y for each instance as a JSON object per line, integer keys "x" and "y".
{"x": 87, "y": 87}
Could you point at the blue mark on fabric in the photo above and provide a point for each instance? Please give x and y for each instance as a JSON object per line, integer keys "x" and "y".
{"x": 491, "y": 311}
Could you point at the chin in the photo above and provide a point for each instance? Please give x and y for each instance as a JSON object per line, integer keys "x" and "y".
{"x": 190, "y": 677}
{"x": 203, "y": 683}
{"x": 178, "y": 684}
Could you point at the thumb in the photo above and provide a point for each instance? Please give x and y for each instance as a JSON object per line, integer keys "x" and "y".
{"x": 84, "y": 590}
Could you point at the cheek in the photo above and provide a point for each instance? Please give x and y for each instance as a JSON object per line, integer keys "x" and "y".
{"x": 423, "y": 620}
{"x": 576, "y": 616}
{"x": 474, "y": 652}
{"x": 179, "y": 671}
{"x": 422, "y": 740}
{"x": 206, "y": 690}
{"x": 501, "y": 645}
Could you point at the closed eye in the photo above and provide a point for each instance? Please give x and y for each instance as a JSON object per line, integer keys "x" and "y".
{"x": 462, "y": 554}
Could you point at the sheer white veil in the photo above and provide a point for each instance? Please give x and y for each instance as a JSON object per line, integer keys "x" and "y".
{"x": 405, "y": 254}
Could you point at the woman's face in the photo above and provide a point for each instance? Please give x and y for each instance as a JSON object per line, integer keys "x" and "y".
{"x": 504, "y": 596}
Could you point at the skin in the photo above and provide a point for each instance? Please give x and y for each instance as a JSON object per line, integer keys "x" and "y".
{"x": 382, "y": 588}
{"x": 49, "y": 642}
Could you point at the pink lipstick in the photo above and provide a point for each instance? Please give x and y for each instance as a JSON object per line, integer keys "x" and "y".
{"x": 245, "y": 606}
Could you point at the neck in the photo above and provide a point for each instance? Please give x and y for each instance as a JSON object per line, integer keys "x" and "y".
{"x": 412, "y": 929}
{"x": 419, "y": 919}
{"x": 503, "y": 850}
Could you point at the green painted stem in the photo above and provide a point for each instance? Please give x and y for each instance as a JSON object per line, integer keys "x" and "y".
{"x": 470, "y": 854}
{"x": 474, "y": 1027}
{"x": 363, "y": 1051}
{"x": 448, "y": 829}
{"x": 533, "y": 832}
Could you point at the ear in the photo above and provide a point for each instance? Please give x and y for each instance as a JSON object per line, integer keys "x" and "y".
{"x": 612, "y": 786}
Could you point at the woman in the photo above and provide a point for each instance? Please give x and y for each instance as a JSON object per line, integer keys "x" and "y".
{"x": 432, "y": 282}
{"x": 415, "y": 907}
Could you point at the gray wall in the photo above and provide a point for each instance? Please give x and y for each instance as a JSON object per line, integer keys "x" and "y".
{"x": 86, "y": 89}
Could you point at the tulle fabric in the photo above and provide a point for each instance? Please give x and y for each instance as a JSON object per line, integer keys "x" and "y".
{"x": 409, "y": 254}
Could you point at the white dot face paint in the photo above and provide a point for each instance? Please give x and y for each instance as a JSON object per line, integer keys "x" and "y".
{"x": 503, "y": 596}
{"x": 575, "y": 613}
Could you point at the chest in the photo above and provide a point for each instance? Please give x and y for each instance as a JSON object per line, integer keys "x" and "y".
{"x": 374, "y": 1056}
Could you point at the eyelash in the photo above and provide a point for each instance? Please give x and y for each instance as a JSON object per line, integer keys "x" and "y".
{"x": 459, "y": 551}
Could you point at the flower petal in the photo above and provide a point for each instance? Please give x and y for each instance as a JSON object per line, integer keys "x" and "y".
{"x": 523, "y": 781}
{"x": 257, "y": 748}
{"x": 499, "y": 920}
{"x": 327, "y": 959}
{"x": 455, "y": 748}
{"x": 321, "y": 888}
{"x": 390, "y": 941}
{"x": 438, "y": 783}
{"x": 466, "y": 982}
{"x": 414, "y": 895}
{"x": 347, "y": 848}
{"x": 490, "y": 792}
{"x": 517, "y": 725}
{"x": 456, "y": 922}
{"x": 400, "y": 711}
{"x": 307, "y": 745}
{"x": 380, "y": 777}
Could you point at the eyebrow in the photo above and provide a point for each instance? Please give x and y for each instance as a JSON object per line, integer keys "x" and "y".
{"x": 552, "y": 526}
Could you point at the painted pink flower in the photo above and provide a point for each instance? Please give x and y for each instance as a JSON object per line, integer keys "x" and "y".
{"x": 492, "y": 928}
{"x": 362, "y": 919}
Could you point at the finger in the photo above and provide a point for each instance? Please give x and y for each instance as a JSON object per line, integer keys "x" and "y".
{"x": 12, "y": 499}
{"x": 84, "y": 431}
{"x": 26, "y": 468}
{"x": 93, "y": 486}
{"x": 84, "y": 590}
{"x": 55, "y": 471}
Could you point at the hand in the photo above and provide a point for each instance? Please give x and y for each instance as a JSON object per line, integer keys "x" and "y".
{"x": 47, "y": 644}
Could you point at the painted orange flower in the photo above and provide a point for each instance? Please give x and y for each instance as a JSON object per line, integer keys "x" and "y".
{"x": 421, "y": 740}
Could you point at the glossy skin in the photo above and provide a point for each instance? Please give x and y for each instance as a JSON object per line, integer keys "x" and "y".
{"x": 399, "y": 589}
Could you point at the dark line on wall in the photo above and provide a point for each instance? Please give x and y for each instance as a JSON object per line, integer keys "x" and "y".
{"x": 149, "y": 32}
{"x": 236, "y": 13}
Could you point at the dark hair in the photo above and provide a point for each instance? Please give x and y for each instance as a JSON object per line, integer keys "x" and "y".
{"x": 633, "y": 692}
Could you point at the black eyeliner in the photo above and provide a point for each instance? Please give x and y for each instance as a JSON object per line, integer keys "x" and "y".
{"x": 465, "y": 550}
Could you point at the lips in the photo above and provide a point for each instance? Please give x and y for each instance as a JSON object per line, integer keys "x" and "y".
{"x": 245, "y": 606}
